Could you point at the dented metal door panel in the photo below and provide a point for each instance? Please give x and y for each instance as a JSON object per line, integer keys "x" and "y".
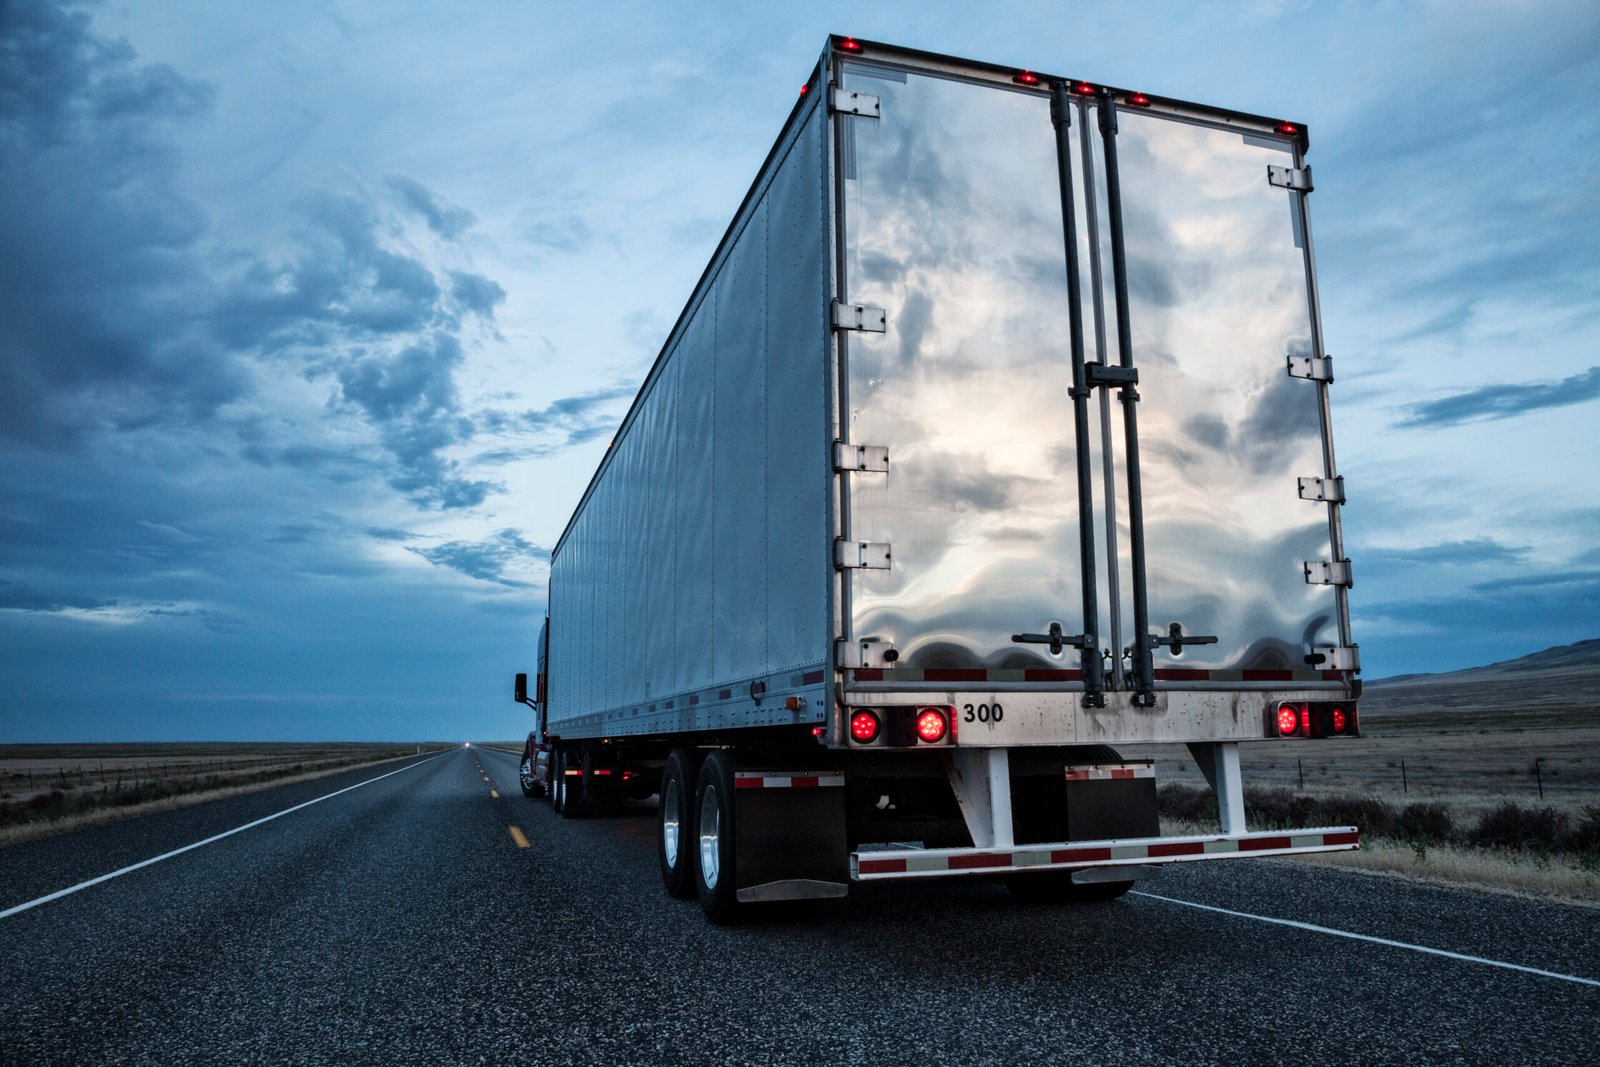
{"x": 953, "y": 228}
{"x": 1218, "y": 305}
{"x": 956, "y": 361}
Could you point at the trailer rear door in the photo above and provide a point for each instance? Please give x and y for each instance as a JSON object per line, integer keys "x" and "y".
{"x": 952, "y": 223}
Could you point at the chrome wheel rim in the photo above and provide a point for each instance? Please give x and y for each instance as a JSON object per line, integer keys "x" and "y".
{"x": 710, "y": 837}
{"x": 671, "y": 825}
{"x": 525, "y": 771}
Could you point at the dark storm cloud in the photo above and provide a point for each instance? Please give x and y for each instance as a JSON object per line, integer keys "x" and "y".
{"x": 416, "y": 383}
{"x": 563, "y": 423}
{"x": 486, "y": 560}
{"x": 54, "y": 76}
{"x": 1503, "y": 401}
{"x": 1585, "y": 583}
{"x": 384, "y": 533}
{"x": 17, "y": 597}
{"x": 444, "y": 219}
{"x": 578, "y": 408}
{"x": 1476, "y": 550}
{"x": 187, "y": 410}
{"x": 122, "y": 313}
{"x": 98, "y": 239}
{"x": 476, "y": 294}
{"x": 342, "y": 284}
{"x": 1541, "y": 609}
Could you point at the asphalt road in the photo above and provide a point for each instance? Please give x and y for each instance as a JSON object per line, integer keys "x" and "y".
{"x": 400, "y": 922}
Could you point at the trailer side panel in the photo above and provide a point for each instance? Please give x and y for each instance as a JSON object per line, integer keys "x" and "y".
{"x": 698, "y": 562}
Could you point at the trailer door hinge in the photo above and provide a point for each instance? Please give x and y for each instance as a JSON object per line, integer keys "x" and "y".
{"x": 853, "y": 655}
{"x": 1317, "y": 368}
{"x": 1329, "y": 572}
{"x": 863, "y": 317}
{"x": 849, "y": 457}
{"x": 1333, "y": 658}
{"x": 848, "y": 102}
{"x": 1290, "y": 177}
{"x": 861, "y": 555}
{"x": 1329, "y": 490}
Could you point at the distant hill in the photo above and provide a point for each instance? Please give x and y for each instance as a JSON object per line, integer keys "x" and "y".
{"x": 1565, "y": 678}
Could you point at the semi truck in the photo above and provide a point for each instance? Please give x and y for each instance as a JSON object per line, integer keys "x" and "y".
{"x": 992, "y": 445}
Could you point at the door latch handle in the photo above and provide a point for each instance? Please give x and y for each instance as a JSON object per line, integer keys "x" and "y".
{"x": 1056, "y": 639}
{"x": 1176, "y": 639}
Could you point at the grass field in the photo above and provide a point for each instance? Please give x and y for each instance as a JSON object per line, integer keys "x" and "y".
{"x": 45, "y": 789}
{"x": 1488, "y": 784}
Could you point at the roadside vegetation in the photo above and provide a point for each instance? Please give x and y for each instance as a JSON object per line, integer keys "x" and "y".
{"x": 1538, "y": 848}
{"x": 49, "y": 789}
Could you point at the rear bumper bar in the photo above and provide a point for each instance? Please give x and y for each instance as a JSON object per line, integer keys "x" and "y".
{"x": 1077, "y": 855}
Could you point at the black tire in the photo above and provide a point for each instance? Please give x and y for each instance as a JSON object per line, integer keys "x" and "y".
{"x": 676, "y": 841}
{"x": 715, "y": 870}
{"x": 531, "y": 786}
{"x": 1057, "y": 887}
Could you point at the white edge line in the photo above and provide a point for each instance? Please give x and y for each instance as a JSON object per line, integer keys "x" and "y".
{"x": 58, "y": 894}
{"x": 1375, "y": 940}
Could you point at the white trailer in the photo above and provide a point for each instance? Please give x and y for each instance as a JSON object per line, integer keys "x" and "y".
{"x": 995, "y": 435}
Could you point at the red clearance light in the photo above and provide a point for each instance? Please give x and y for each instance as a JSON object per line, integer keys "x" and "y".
{"x": 1027, "y": 77}
{"x": 1340, "y": 720}
{"x": 864, "y": 726}
{"x": 1288, "y": 719}
{"x": 1083, "y": 88}
{"x": 849, "y": 44}
{"x": 931, "y": 725}
{"x": 804, "y": 89}
{"x": 818, "y": 731}
{"x": 1288, "y": 129}
{"x": 1138, "y": 100}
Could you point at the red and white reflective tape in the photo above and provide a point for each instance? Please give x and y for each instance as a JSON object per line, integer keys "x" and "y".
{"x": 763, "y": 780}
{"x": 1076, "y": 854}
{"x": 1110, "y": 770}
{"x": 1033, "y": 674}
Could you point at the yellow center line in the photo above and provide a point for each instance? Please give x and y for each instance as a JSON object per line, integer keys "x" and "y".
{"x": 518, "y": 837}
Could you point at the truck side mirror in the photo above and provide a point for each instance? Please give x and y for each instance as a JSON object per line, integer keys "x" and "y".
{"x": 522, "y": 689}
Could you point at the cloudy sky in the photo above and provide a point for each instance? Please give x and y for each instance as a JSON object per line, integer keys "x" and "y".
{"x": 316, "y": 316}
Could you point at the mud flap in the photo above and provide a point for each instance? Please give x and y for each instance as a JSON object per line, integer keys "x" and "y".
{"x": 790, "y": 836}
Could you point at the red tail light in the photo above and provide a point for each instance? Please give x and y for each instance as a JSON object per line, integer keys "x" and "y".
{"x": 864, "y": 726}
{"x": 932, "y": 725}
{"x": 1340, "y": 720}
{"x": 1288, "y": 719}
